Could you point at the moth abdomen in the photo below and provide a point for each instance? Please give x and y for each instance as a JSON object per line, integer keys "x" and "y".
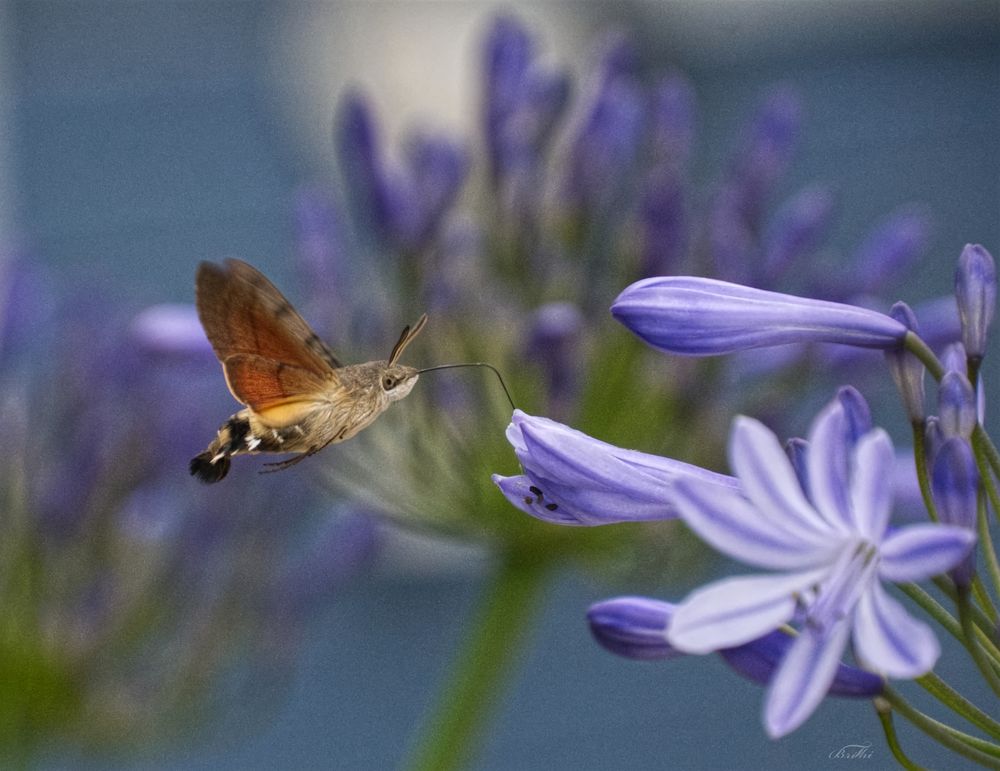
{"x": 203, "y": 467}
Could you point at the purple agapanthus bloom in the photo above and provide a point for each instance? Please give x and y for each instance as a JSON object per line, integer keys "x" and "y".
{"x": 572, "y": 479}
{"x": 636, "y": 628}
{"x": 830, "y": 547}
{"x": 705, "y": 317}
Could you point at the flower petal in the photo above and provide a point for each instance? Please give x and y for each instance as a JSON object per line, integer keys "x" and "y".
{"x": 736, "y": 610}
{"x": 757, "y": 660}
{"x": 518, "y": 490}
{"x": 887, "y": 639}
{"x": 730, "y": 523}
{"x": 634, "y": 627}
{"x": 827, "y": 464}
{"x": 598, "y": 482}
{"x": 704, "y": 317}
{"x": 804, "y": 678}
{"x": 771, "y": 483}
{"x": 916, "y": 552}
{"x": 871, "y": 496}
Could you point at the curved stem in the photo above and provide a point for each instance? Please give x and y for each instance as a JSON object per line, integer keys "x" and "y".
{"x": 920, "y": 458}
{"x": 972, "y": 643}
{"x": 977, "y": 750}
{"x": 948, "y": 696}
{"x": 915, "y": 345}
{"x": 884, "y": 711}
{"x": 477, "y": 678}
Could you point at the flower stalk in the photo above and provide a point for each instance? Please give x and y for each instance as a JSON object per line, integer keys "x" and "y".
{"x": 488, "y": 655}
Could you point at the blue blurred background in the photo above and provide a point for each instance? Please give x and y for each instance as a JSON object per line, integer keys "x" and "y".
{"x": 138, "y": 138}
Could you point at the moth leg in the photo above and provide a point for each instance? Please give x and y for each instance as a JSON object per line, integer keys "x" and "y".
{"x": 281, "y": 465}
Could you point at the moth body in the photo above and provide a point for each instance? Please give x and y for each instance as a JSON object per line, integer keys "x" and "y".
{"x": 298, "y": 397}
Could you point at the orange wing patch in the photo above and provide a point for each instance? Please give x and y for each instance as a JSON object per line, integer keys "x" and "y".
{"x": 263, "y": 384}
{"x": 244, "y": 314}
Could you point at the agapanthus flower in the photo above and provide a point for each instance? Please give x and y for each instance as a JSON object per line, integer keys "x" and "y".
{"x": 636, "y": 628}
{"x": 955, "y": 483}
{"x": 706, "y": 317}
{"x": 572, "y": 479}
{"x": 152, "y": 600}
{"x": 976, "y": 293}
{"x": 831, "y": 547}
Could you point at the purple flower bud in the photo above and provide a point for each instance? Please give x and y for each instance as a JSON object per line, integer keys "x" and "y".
{"x": 766, "y": 151}
{"x": 704, "y": 317}
{"x": 672, "y": 119}
{"x": 955, "y": 484}
{"x": 633, "y": 627}
{"x": 171, "y": 330}
{"x": 379, "y": 203}
{"x": 796, "y": 230}
{"x": 573, "y": 479}
{"x": 663, "y": 220}
{"x": 907, "y": 370}
{"x": 957, "y": 407}
{"x": 758, "y": 659}
{"x": 731, "y": 238}
{"x": 438, "y": 168}
{"x": 891, "y": 248}
{"x": 507, "y": 53}
{"x": 554, "y": 333}
{"x": 857, "y": 413}
{"x": 522, "y": 104}
{"x": 954, "y": 358}
{"x": 976, "y": 293}
{"x": 607, "y": 142}
{"x": 27, "y": 306}
{"x": 933, "y": 438}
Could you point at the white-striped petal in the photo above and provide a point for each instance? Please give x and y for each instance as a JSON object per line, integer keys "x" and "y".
{"x": 916, "y": 552}
{"x": 737, "y": 610}
{"x": 767, "y": 476}
{"x": 804, "y": 678}
{"x": 871, "y": 488}
{"x": 889, "y": 640}
{"x": 731, "y": 524}
{"x": 827, "y": 464}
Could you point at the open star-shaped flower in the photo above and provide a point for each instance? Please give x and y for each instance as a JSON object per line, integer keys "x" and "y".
{"x": 823, "y": 529}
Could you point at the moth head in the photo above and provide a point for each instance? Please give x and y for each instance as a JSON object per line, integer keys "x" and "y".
{"x": 397, "y": 381}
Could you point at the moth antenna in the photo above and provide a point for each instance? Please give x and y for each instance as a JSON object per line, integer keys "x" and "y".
{"x": 406, "y": 338}
{"x": 474, "y": 364}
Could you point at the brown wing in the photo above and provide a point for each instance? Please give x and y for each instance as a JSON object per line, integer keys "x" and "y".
{"x": 244, "y": 313}
{"x": 281, "y": 394}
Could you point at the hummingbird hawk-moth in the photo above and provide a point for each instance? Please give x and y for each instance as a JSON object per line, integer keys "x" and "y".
{"x": 297, "y": 396}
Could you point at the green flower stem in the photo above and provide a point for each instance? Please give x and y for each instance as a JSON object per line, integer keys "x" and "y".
{"x": 987, "y": 458}
{"x": 950, "y": 624}
{"x": 920, "y": 458}
{"x": 989, "y": 553}
{"x": 933, "y": 608}
{"x": 477, "y": 679}
{"x": 948, "y": 696}
{"x": 888, "y": 727}
{"x": 922, "y": 351}
{"x": 978, "y": 750}
{"x": 986, "y": 631}
{"x": 986, "y": 667}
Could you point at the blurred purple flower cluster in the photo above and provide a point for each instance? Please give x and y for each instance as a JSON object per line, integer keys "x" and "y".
{"x": 137, "y": 602}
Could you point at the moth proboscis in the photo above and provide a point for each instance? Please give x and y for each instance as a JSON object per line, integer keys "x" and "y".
{"x": 297, "y": 396}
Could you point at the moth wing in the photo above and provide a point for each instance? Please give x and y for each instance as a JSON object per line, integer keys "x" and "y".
{"x": 244, "y": 313}
{"x": 280, "y": 394}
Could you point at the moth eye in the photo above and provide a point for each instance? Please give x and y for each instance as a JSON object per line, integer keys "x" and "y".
{"x": 388, "y": 383}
